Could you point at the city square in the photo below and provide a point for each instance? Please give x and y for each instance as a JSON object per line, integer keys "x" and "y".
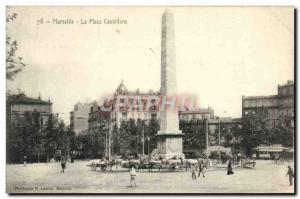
{"x": 266, "y": 177}
{"x": 223, "y": 116}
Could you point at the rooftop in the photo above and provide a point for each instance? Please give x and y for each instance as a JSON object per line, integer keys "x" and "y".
{"x": 289, "y": 83}
{"x": 122, "y": 90}
{"x": 259, "y": 97}
{"x": 23, "y": 99}
{"x": 197, "y": 111}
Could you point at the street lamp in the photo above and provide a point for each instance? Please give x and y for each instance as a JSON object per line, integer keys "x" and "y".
{"x": 148, "y": 142}
{"x": 219, "y": 141}
{"x": 143, "y": 140}
{"x": 206, "y": 130}
{"x": 109, "y": 141}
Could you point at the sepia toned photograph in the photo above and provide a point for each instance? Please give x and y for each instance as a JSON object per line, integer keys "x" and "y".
{"x": 150, "y": 100}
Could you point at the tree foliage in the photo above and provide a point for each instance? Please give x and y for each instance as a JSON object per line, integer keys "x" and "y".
{"x": 14, "y": 63}
{"x": 283, "y": 133}
{"x": 96, "y": 139}
{"x": 254, "y": 130}
{"x": 132, "y": 133}
{"x": 194, "y": 133}
{"x": 27, "y": 137}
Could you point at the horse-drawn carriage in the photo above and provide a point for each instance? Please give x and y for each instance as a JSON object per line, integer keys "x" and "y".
{"x": 147, "y": 163}
{"x": 104, "y": 164}
{"x": 246, "y": 163}
{"x": 161, "y": 164}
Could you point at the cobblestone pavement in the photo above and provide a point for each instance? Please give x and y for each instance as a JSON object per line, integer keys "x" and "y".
{"x": 266, "y": 177}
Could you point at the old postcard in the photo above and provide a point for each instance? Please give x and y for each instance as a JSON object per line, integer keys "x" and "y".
{"x": 150, "y": 100}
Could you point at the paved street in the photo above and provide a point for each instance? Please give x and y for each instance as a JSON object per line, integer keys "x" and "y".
{"x": 265, "y": 178}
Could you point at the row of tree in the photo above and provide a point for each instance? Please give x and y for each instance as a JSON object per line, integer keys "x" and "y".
{"x": 258, "y": 129}
{"x": 252, "y": 130}
{"x": 127, "y": 139}
{"x": 29, "y": 140}
{"x": 26, "y": 137}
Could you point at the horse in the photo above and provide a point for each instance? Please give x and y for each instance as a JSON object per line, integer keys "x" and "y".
{"x": 93, "y": 164}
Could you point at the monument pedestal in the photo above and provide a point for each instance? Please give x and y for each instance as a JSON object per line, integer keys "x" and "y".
{"x": 169, "y": 145}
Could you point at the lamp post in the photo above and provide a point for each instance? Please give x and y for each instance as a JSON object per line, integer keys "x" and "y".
{"x": 206, "y": 130}
{"x": 219, "y": 141}
{"x": 143, "y": 141}
{"x": 109, "y": 141}
{"x": 148, "y": 142}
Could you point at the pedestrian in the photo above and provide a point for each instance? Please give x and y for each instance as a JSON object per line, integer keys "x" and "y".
{"x": 229, "y": 168}
{"x": 193, "y": 169}
{"x": 63, "y": 164}
{"x": 132, "y": 176}
{"x": 25, "y": 160}
{"x": 208, "y": 164}
{"x": 290, "y": 173}
{"x": 201, "y": 169}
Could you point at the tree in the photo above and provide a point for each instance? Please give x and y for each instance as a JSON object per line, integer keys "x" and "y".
{"x": 14, "y": 64}
{"x": 255, "y": 130}
{"x": 27, "y": 137}
{"x": 150, "y": 131}
{"x": 194, "y": 133}
{"x": 14, "y": 140}
{"x": 115, "y": 140}
{"x": 73, "y": 142}
{"x": 36, "y": 134}
{"x": 62, "y": 139}
{"x": 128, "y": 137}
{"x": 50, "y": 137}
{"x": 283, "y": 132}
{"x": 24, "y": 137}
{"x": 96, "y": 138}
{"x": 82, "y": 145}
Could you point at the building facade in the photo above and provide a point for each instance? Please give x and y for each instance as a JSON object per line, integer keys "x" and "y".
{"x": 198, "y": 114}
{"x": 133, "y": 105}
{"x": 79, "y": 118}
{"x": 18, "y": 105}
{"x": 96, "y": 116}
{"x": 279, "y": 107}
{"x": 129, "y": 107}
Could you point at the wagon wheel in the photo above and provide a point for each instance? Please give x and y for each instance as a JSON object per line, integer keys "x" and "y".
{"x": 172, "y": 167}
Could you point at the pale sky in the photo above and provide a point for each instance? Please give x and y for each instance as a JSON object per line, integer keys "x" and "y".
{"x": 222, "y": 53}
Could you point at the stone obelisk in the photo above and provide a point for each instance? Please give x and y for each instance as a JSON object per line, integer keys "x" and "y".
{"x": 169, "y": 138}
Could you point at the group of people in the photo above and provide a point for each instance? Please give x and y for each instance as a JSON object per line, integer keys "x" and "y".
{"x": 200, "y": 168}
{"x": 275, "y": 157}
{"x": 194, "y": 168}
